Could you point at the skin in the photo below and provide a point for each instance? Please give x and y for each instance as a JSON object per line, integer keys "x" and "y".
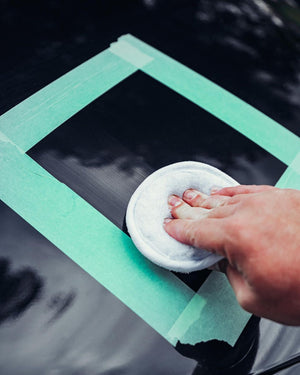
{"x": 256, "y": 228}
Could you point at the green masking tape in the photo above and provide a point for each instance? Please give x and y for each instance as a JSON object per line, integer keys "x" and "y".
{"x": 199, "y": 312}
{"x": 109, "y": 255}
{"x": 34, "y": 118}
{"x": 261, "y": 129}
{"x": 291, "y": 177}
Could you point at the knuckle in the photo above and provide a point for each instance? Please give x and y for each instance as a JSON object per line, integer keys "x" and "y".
{"x": 245, "y": 302}
{"x": 235, "y": 199}
{"x": 205, "y": 203}
{"x": 213, "y": 202}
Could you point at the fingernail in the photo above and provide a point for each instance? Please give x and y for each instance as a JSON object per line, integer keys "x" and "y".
{"x": 174, "y": 201}
{"x": 190, "y": 194}
{"x": 167, "y": 220}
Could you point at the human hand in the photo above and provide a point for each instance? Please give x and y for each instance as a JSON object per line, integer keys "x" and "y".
{"x": 257, "y": 229}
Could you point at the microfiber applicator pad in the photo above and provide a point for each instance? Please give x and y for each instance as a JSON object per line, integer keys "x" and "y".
{"x": 148, "y": 208}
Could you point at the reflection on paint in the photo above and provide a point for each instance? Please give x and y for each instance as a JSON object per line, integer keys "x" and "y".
{"x": 18, "y": 290}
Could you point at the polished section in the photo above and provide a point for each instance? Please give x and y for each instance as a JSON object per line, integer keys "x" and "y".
{"x": 107, "y": 149}
{"x": 54, "y": 318}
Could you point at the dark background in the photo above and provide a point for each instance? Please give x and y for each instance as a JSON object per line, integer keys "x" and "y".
{"x": 54, "y": 318}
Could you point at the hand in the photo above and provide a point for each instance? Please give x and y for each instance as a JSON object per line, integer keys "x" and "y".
{"x": 257, "y": 229}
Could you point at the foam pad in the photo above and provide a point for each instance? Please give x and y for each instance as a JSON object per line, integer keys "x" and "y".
{"x": 148, "y": 208}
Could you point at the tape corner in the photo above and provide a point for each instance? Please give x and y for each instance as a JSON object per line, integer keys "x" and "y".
{"x": 126, "y": 51}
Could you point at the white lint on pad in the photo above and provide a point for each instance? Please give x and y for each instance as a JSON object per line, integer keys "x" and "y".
{"x": 148, "y": 207}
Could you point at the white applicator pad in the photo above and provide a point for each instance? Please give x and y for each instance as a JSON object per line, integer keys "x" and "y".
{"x": 148, "y": 207}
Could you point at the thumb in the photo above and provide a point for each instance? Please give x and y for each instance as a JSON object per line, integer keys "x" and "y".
{"x": 205, "y": 233}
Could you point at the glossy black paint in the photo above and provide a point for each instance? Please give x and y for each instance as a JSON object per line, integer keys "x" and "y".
{"x": 54, "y": 318}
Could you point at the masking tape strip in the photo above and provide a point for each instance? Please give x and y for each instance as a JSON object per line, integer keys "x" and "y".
{"x": 107, "y": 254}
{"x": 291, "y": 177}
{"x": 255, "y": 125}
{"x": 199, "y": 312}
{"x": 34, "y": 118}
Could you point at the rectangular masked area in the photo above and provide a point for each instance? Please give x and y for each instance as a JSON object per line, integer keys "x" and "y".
{"x": 106, "y": 150}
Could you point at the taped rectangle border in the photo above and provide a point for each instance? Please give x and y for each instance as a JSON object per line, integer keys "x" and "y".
{"x": 99, "y": 247}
